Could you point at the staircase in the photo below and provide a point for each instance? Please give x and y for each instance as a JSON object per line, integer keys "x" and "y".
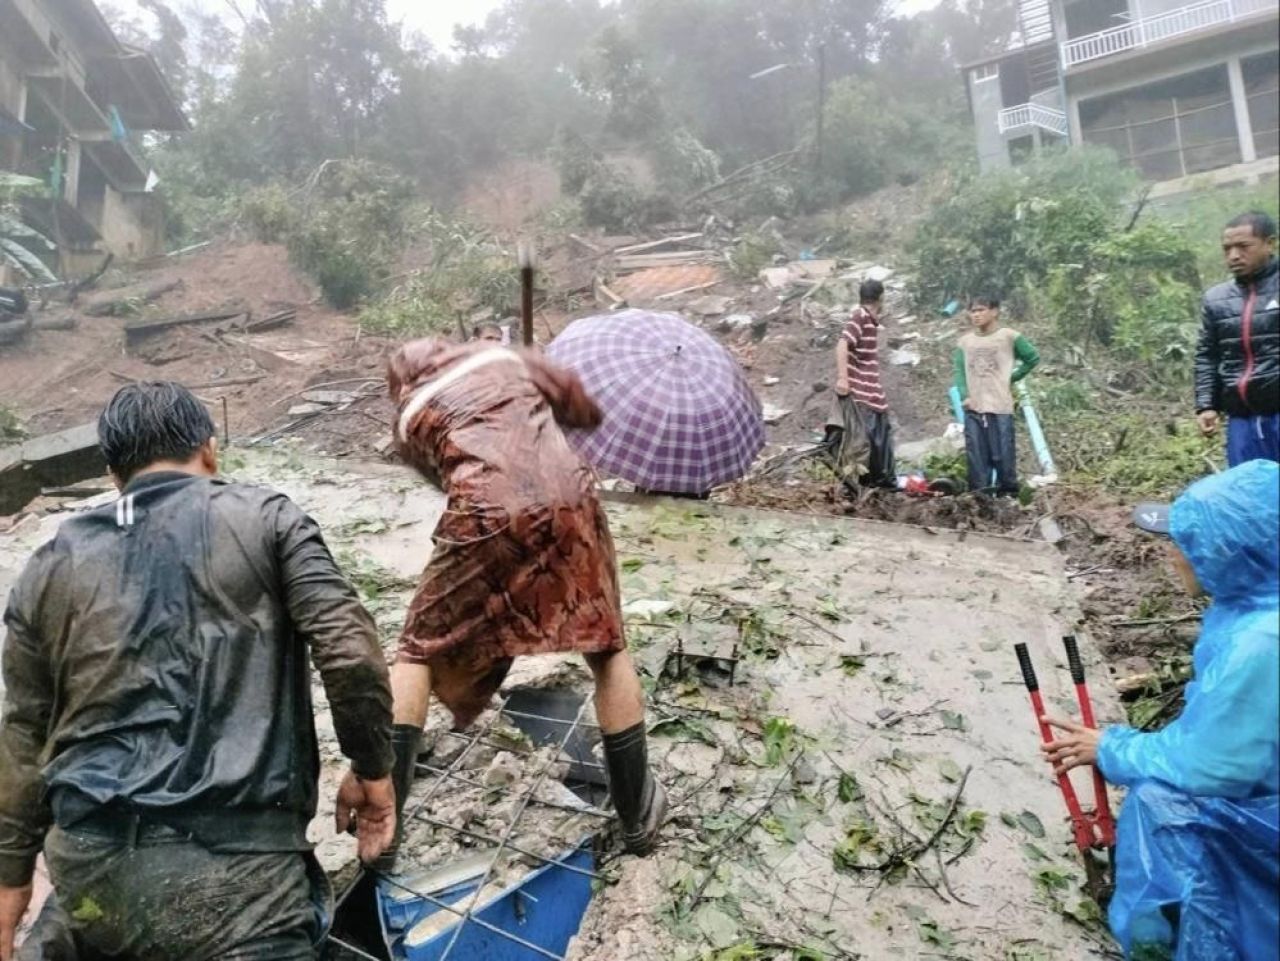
{"x": 1042, "y": 66}
{"x": 1035, "y": 22}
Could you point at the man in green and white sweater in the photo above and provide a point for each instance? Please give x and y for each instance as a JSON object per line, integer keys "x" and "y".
{"x": 988, "y": 361}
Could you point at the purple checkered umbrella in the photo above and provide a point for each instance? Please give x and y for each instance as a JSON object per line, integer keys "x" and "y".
{"x": 679, "y": 415}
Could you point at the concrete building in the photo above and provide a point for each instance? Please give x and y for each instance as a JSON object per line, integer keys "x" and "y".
{"x": 73, "y": 99}
{"x": 1177, "y": 89}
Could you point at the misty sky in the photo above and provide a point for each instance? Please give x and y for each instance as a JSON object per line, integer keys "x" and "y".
{"x": 435, "y": 18}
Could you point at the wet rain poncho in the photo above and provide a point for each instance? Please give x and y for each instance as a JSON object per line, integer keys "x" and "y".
{"x": 1197, "y": 866}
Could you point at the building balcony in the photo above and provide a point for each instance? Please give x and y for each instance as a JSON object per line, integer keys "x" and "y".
{"x": 1151, "y": 31}
{"x": 1027, "y": 115}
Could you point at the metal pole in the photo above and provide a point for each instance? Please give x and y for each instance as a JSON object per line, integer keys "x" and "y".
{"x": 525, "y": 257}
{"x": 822, "y": 100}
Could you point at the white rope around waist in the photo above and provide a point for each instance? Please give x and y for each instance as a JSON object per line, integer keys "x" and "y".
{"x": 459, "y": 370}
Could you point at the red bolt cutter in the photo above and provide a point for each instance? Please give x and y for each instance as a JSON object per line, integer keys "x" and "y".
{"x": 1096, "y": 831}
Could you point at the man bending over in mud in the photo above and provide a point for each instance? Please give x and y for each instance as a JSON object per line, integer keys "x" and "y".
{"x": 157, "y": 740}
{"x": 523, "y": 561}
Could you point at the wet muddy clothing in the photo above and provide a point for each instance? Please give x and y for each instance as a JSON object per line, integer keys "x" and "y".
{"x": 991, "y": 450}
{"x": 987, "y": 365}
{"x": 523, "y": 560}
{"x": 165, "y": 897}
{"x": 860, "y": 334}
{"x": 156, "y": 662}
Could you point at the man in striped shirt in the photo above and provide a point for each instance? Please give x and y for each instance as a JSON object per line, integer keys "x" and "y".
{"x": 858, "y": 377}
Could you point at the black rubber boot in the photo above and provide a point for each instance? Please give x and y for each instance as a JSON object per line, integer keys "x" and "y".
{"x": 406, "y": 742}
{"x": 638, "y": 798}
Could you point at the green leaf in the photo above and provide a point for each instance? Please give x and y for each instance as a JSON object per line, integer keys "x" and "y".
{"x": 848, "y": 789}
{"x": 972, "y": 823}
{"x": 931, "y": 933}
{"x": 685, "y": 729}
{"x": 716, "y": 926}
{"x": 1034, "y": 852}
{"x": 1031, "y": 824}
{"x": 1008, "y": 819}
{"x": 1085, "y": 913}
{"x": 779, "y": 739}
{"x": 952, "y": 721}
{"x": 851, "y": 664}
{"x": 631, "y": 564}
{"x": 12, "y": 181}
{"x": 24, "y": 260}
{"x": 848, "y": 853}
{"x": 950, "y": 770}
{"x": 1051, "y": 879}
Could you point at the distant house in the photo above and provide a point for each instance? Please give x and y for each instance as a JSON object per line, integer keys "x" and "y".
{"x": 73, "y": 99}
{"x": 1176, "y": 89}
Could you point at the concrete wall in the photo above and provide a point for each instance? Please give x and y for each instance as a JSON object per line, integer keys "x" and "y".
{"x": 132, "y": 224}
{"x": 984, "y": 95}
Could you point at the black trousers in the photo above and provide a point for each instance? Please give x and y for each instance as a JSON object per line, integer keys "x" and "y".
{"x": 990, "y": 446}
{"x": 166, "y": 897}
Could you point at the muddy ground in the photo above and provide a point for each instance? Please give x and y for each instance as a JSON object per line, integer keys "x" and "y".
{"x": 876, "y": 686}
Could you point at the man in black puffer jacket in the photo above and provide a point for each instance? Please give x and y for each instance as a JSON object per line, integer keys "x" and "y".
{"x": 1238, "y": 355}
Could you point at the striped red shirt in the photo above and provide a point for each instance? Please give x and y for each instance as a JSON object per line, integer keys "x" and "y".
{"x": 860, "y": 334}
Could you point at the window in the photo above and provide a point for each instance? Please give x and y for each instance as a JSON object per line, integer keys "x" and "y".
{"x": 1262, "y": 91}
{"x": 1168, "y": 129}
{"x": 988, "y": 71}
{"x": 1021, "y": 149}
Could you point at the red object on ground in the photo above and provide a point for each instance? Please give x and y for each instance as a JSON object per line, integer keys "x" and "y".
{"x": 1090, "y": 831}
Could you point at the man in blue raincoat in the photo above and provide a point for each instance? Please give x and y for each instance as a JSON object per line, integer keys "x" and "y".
{"x": 1198, "y": 846}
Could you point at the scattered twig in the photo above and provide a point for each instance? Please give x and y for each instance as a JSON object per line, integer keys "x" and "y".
{"x": 1153, "y": 621}
{"x": 911, "y": 855}
{"x": 719, "y": 853}
{"x": 946, "y": 881}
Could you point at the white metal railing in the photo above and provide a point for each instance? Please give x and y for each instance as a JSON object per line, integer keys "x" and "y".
{"x": 1032, "y": 115}
{"x": 1165, "y": 26}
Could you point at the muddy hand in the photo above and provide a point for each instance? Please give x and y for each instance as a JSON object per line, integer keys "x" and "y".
{"x": 371, "y": 807}
{"x": 1076, "y": 748}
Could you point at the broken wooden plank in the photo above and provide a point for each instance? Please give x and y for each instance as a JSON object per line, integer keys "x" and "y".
{"x": 127, "y": 299}
{"x": 613, "y": 298}
{"x": 229, "y": 382}
{"x": 266, "y": 359}
{"x": 583, "y": 242}
{"x": 686, "y": 290}
{"x": 145, "y": 327}
{"x": 656, "y": 244}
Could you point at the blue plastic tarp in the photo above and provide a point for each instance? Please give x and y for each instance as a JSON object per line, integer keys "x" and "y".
{"x": 1198, "y": 846}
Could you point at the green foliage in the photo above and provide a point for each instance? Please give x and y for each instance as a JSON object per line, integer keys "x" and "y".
{"x": 866, "y": 146}
{"x": 468, "y": 272}
{"x": 268, "y": 213}
{"x": 752, "y": 253}
{"x": 1006, "y": 231}
{"x": 1135, "y": 290}
{"x": 780, "y": 740}
{"x": 1200, "y": 215}
{"x": 613, "y": 201}
{"x": 1136, "y": 454}
{"x": 349, "y": 232}
{"x": 21, "y": 246}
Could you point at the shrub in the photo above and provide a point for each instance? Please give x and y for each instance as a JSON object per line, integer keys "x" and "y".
{"x": 1007, "y": 231}
{"x": 268, "y": 213}
{"x": 350, "y": 229}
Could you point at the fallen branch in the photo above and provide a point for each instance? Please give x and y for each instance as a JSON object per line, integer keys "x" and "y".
{"x": 1153, "y": 621}
{"x": 741, "y": 831}
{"x": 910, "y": 855}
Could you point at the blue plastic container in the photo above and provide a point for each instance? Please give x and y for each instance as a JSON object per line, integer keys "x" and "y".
{"x": 544, "y": 908}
